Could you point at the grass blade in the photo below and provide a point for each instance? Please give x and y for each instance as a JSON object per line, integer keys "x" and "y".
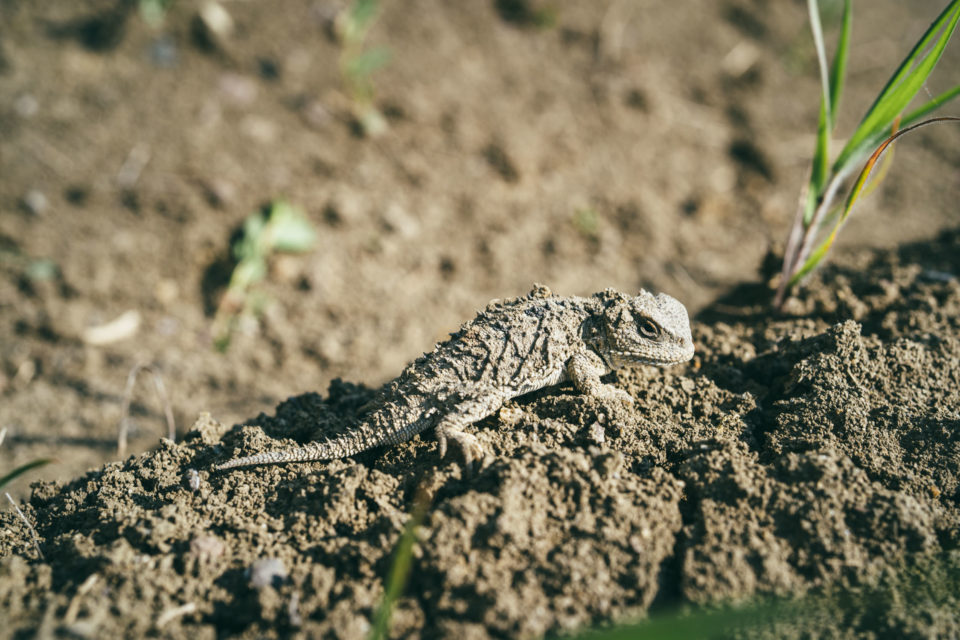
{"x": 821, "y": 251}
{"x": 703, "y": 623}
{"x": 817, "y": 30}
{"x": 821, "y": 163}
{"x": 903, "y": 85}
{"x": 22, "y": 469}
{"x": 838, "y": 70}
{"x": 400, "y": 569}
{"x": 821, "y": 155}
{"x": 933, "y": 105}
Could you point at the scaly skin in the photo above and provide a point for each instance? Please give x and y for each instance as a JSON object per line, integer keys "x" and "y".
{"x": 511, "y": 348}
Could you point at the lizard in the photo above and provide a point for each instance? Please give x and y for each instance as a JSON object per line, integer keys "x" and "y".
{"x": 510, "y": 348}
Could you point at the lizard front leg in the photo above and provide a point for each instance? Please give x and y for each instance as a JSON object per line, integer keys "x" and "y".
{"x": 466, "y": 413}
{"x": 584, "y": 370}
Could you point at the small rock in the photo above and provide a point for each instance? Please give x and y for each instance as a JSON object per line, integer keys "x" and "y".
{"x": 266, "y": 572}
{"x": 206, "y": 548}
{"x": 218, "y": 192}
{"x": 316, "y": 114}
{"x": 239, "y": 89}
{"x": 35, "y": 202}
{"x": 166, "y": 291}
{"x": 163, "y": 52}
{"x": 597, "y": 434}
{"x": 212, "y": 25}
{"x": 259, "y": 129}
{"x": 293, "y": 611}
{"x": 26, "y": 106}
{"x": 396, "y": 219}
{"x": 193, "y": 479}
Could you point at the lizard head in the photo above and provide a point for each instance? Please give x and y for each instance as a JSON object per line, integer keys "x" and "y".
{"x": 645, "y": 329}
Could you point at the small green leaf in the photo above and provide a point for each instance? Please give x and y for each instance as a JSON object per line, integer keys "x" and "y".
{"x": 248, "y": 272}
{"x": 248, "y": 245}
{"x": 362, "y": 13}
{"x": 587, "y": 221}
{"x": 366, "y": 63}
{"x": 289, "y": 230}
{"x": 42, "y": 270}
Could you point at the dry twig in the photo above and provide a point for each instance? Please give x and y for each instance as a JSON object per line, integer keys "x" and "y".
{"x": 33, "y": 532}
{"x": 128, "y": 394}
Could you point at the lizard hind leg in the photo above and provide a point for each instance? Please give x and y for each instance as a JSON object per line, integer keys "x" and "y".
{"x": 452, "y": 425}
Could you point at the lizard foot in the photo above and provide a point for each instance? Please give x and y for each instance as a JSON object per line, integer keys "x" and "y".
{"x": 468, "y": 443}
{"x": 610, "y": 392}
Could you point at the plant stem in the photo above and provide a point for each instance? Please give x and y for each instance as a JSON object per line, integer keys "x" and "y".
{"x": 795, "y": 256}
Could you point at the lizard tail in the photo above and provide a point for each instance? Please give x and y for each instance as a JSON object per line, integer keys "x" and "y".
{"x": 329, "y": 450}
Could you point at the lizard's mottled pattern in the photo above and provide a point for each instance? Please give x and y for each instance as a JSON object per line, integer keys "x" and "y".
{"x": 512, "y": 347}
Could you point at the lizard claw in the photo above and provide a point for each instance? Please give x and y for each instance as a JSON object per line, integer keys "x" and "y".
{"x": 468, "y": 443}
{"x": 615, "y": 393}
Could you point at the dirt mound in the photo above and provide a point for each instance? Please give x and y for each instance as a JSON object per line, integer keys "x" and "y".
{"x": 798, "y": 455}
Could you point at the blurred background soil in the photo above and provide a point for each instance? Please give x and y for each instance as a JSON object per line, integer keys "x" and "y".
{"x": 578, "y": 144}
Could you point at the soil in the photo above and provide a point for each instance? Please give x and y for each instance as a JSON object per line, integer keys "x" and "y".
{"x": 803, "y": 454}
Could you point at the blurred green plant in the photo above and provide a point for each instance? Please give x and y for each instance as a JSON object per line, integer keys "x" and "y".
{"x": 717, "y": 622}
{"x": 22, "y": 469}
{"x": 153, "y": 12}
{"x": 358, "y": 64}
{"x": 878, "y": 128}
{"x": 918, "y": 592}
{"x": 399, "y": 568}
{"x": 41, "y": 270}
{"x": 528, "y": 13}
{"x": 283, "y": 228}
{"x": 33, "y": 269}
{"x": 16, "y": 473}
{"x": 587, "y": 221}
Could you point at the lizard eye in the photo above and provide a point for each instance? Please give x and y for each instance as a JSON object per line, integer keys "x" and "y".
{"x": 648, "y": 329}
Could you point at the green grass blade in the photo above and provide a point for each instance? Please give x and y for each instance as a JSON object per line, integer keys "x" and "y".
{"x": 399, "y": 570}
{"x": 903, "y": 85}
{"x": 838, "y": 70}
{"x": 821, "y": 163}
{"x": 22, "y": 469}
{"x": 916, "y": 115}
{"x": 821, "y": 154}
{"x": 821, "y": 251}
{"x": 703, "y": 623}
{"x": 364, "y": 64}
{"x": 817, "y": 31}
{"x": 918, "y": 48}
{"x": 362, "y": 12}
{"x": 933, "y": 105}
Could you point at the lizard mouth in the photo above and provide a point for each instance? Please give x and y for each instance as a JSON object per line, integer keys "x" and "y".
{"x": 637, "y": 357}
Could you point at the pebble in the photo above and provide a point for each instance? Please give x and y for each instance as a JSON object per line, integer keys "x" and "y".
{"x": 266, "y": 572}
{"x": 35, "y": 202}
